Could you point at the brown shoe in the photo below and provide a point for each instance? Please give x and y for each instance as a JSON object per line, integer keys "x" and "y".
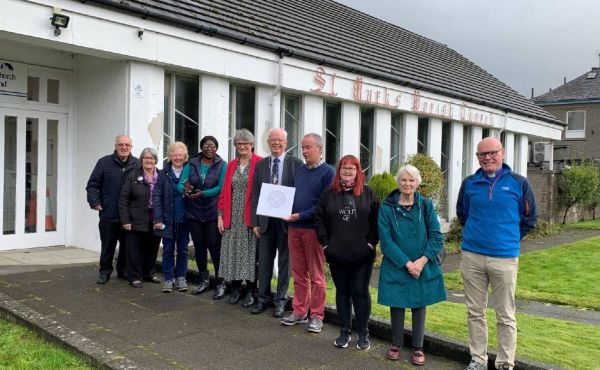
{"x": 393, "y": 353}
{"x": 417, "y": 357}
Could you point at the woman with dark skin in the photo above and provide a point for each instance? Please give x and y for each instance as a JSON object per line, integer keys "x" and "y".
{"x": 201, "y": 183}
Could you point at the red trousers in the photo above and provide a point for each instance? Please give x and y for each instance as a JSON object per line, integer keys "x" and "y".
{"x": 307, "y": 261}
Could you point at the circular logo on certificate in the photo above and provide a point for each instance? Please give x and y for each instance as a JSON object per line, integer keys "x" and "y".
{"x": 276, "y": 198}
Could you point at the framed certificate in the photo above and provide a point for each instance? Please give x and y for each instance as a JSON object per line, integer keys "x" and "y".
{"x": 275, "y": 200}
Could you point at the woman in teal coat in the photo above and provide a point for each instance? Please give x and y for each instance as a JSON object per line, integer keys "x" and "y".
{"x": 410, "y": 276}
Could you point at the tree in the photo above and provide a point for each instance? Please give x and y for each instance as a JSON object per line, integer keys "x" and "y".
{"x": 577, "y": 184}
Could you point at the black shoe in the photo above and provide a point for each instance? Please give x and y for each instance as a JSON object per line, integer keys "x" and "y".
{"x": 259, "y": 307}
{"x": 235, "y": 296}
{"x": 219, "y": 291}
{"x": 249, "y": 300}
{"x": 203, "y": 287}
{"x": 102, "y": 278}
{"x": 152, "y": 279}
{"x": 279, "y": 311}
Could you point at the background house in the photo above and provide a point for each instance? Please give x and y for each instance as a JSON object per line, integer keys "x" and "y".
{"x": 577, "y": 103}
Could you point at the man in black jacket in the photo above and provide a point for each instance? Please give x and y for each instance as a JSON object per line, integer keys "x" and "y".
{"x": 278, "y": 168}
{"x": 103, "y": 190}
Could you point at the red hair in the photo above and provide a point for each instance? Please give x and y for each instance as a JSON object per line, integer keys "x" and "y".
{"x": 349, "y": 160}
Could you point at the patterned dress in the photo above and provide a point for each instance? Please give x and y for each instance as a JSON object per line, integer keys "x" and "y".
{"x": 238, "y": 247}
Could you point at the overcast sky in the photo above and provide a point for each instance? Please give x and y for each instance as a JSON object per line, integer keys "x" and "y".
{"x": 523, "y": 43}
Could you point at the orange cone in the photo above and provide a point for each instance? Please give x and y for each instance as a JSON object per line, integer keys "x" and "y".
{"x": 30, "y": 219}
{"x": 49, "y": 220}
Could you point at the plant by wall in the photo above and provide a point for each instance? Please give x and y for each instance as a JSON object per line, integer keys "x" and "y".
{"x": 383, "y": 184}
{"x": 578, "y": 184}
{"x": 432, "y": 185}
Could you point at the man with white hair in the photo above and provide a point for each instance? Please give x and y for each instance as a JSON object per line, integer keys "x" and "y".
{"x": 103, "y": 189}
{"x": 278, "y": 168}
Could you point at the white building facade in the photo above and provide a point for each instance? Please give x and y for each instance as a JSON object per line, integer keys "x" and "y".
{"x": 63, "y": 99}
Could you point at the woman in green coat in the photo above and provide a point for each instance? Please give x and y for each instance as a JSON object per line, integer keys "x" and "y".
{"x": 410, "y": 276}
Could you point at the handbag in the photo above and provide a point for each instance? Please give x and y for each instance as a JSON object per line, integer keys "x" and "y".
{"x": 441, "y": 256}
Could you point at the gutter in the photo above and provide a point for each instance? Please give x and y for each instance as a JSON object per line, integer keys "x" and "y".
{"x": 209, "y": 30}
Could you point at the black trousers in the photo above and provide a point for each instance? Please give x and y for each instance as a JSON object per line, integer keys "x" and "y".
{"x": 418, "y": 326}
{"x": 206, "y": 237}
{"x": 142, "y": 249}
{"x": 352, "y": 289}
{"x": 110, "y": 234}
{"x": 273, "y": 242}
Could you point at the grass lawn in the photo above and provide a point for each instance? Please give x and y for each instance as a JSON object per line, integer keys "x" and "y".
{"x": 589, "y": 225}
{"x": 563, "y": 343}
{"x": 566, "y": 274}
{"x": 21, "y": 348}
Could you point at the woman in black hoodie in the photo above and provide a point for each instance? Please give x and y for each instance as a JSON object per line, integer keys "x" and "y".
{"x": 346, "y": 225}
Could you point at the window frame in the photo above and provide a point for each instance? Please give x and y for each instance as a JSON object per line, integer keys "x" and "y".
{"x": 575, "y": 134}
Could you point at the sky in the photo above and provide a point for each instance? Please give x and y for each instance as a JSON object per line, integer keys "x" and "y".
{"x": 524, "y": 43}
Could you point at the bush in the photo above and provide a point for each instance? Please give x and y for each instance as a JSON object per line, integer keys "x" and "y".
{"x": 431, "y": 174}
{"x": 578, "y": 184}
{"x": 454, "y": 234}
{"x": 383, "y": 184}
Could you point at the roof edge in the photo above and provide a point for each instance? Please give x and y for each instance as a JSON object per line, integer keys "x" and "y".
{"x": 321, "y": 60}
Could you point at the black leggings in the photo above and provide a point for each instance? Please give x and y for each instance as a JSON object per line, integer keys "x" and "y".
{"x": 352, "y": 289}
{"x": 418, "y": 326}
{"x": 206, "y": 236}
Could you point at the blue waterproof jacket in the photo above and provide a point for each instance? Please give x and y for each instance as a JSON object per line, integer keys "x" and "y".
{"x": 406, "y": 236}
{"x": 169, "y": 205}
{"x": 495, "y": 215}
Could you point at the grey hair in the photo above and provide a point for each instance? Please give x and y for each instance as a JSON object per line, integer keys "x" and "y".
{"x": 120, "y": 136}
{"x": 411, "y": 171}
{"x": 243, "y": 135}
{"x": 152, "y": 153}
{"x": 317, "y": 137}
{"x": 178, "y": 145}
{"x": 277, "y": 129}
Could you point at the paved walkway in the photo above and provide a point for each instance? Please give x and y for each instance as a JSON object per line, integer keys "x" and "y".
{"x": 123, "y": 327}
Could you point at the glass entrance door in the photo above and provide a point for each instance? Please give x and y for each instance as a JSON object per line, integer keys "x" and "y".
{"x": 32, "y": 163}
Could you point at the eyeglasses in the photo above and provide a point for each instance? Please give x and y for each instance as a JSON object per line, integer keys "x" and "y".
{"x": 242, "y": 144}
{"x": 348, "y": 169}
{"x": 123, "y": 145}
{"x": 149, "y": 159}
{"x": 209, "y": 147}
{"x": 491, "y": 153}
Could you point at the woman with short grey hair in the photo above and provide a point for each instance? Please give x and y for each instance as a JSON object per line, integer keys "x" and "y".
{"x": 238, "y": 247}
{"x": 136, "y": 214}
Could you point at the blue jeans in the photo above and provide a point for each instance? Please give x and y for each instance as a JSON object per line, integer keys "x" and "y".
{"x": 181, "y": 238}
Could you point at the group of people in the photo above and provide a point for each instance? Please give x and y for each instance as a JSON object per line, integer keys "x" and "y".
{"x": 336, "y": 218}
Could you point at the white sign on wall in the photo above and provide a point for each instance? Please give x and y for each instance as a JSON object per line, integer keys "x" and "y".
{"x": 13, "y": 81}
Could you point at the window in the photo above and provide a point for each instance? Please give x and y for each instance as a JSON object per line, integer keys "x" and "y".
{"x": 395, "y": 137}
{"x": 366, "y": 141}
{"x": 467, "y": 152}
{"x": 241, "y": 112}
{"x": 445, "y": 163}
{"x": 333, "y": 121}
{"x": 575, "y": 125}
{"x": 181, "y": 112}
{"x": 291, "y": 122}
{"x": 423, "y": 131}
{"x": 485, "y": 133}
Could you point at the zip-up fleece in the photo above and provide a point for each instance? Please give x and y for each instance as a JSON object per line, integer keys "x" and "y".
{"x": 495, "y": 215}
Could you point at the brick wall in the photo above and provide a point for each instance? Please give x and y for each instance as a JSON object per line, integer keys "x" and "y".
{"x": 545, "y": 188}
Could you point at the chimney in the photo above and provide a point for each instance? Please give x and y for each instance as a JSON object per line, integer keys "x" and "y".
{"x": 532, "y": 93}
{"x": 564, "y": 80}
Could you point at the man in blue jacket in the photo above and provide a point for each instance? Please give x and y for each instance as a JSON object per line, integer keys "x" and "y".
{"x": 497, "y": 209}
{"x": 103, "y": 189}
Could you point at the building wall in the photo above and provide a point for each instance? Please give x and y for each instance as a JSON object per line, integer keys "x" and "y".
{"x": 587, "y": 148}
{"x": 100, "y": 114}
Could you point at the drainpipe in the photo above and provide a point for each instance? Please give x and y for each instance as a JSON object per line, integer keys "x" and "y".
{"x": 277, "y": 92}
